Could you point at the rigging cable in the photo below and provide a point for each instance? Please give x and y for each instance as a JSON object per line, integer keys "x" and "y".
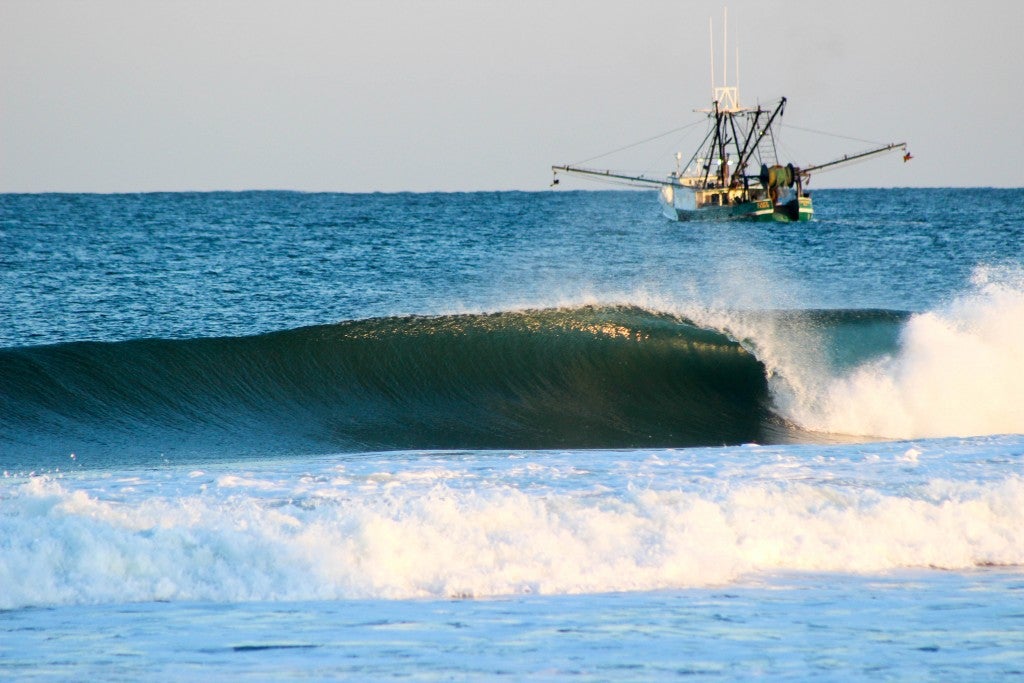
{"x": 637, "y": 144}
{"x": 651, "y": 169}
{"x": 832, "y": 135}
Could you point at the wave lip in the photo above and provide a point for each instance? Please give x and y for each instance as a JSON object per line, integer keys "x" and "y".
{"x": 586, "y": 377}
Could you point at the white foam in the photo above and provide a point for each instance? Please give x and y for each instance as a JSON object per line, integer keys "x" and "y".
{"x": 959, "y": 371}
{"x": 63, "y": 545}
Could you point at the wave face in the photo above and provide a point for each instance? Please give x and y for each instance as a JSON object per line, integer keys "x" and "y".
{"x": 587, "y": 377}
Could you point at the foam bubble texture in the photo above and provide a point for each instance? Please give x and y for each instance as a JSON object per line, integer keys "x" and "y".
{"x": 424, "y": 534}
{"x": 959, "y": 371}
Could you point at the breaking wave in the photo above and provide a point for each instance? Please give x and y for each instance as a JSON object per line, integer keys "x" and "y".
{"x": 616, "y": 376}
{"x": 577, "y": 378}
{"x": 957, "y": 370}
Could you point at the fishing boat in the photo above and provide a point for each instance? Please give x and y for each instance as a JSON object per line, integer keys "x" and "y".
{"x": 736, "y": 172}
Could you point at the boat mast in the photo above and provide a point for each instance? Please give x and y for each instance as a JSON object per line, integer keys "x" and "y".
{"x": 764, "y": 131}
{"x": 725, "y": 99}
{"x": 723, "y": 163}
{"x": 713, "y": 149}
{"x": 736, "y": 144}
{"x": 743, "y": 156}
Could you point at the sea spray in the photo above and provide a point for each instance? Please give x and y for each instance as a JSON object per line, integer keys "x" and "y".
{"x": 804, "y": 351}
{"x": 958, "y": 371}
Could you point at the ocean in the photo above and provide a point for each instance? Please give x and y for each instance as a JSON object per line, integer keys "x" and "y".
{"x": 523, "y": 435}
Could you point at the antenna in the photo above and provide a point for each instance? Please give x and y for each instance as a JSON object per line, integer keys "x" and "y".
{"x": 725, "y": 46}
{"x": 711, "y": 44}
{"x": 727, "y": 96}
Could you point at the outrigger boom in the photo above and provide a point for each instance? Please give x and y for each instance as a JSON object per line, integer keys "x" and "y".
{"x": 805, "y": 172}
{"x": 854, "y": 157}
{"x": 579, "y": 170}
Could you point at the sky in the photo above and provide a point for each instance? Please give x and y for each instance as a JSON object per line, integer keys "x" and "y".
{"x": 460, "y": 95}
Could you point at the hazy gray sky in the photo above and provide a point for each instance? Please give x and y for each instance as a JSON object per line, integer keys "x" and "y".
{"x": 388, "y": 95}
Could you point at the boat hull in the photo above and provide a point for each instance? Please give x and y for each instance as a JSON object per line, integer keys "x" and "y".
{"x": 799, "y": 209}
{"x": 679, "y": 203}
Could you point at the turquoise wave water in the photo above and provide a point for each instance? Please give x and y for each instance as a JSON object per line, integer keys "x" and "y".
{"x": 585, "y": 377}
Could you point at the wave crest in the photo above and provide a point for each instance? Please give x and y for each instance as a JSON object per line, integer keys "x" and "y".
{"x": 580, "y": 378}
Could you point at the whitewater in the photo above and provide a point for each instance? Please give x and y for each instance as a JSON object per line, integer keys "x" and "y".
{"x": 539, "y": 435}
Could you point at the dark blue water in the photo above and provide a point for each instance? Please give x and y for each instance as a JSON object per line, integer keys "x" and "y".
{"x": 114, "y": 267}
